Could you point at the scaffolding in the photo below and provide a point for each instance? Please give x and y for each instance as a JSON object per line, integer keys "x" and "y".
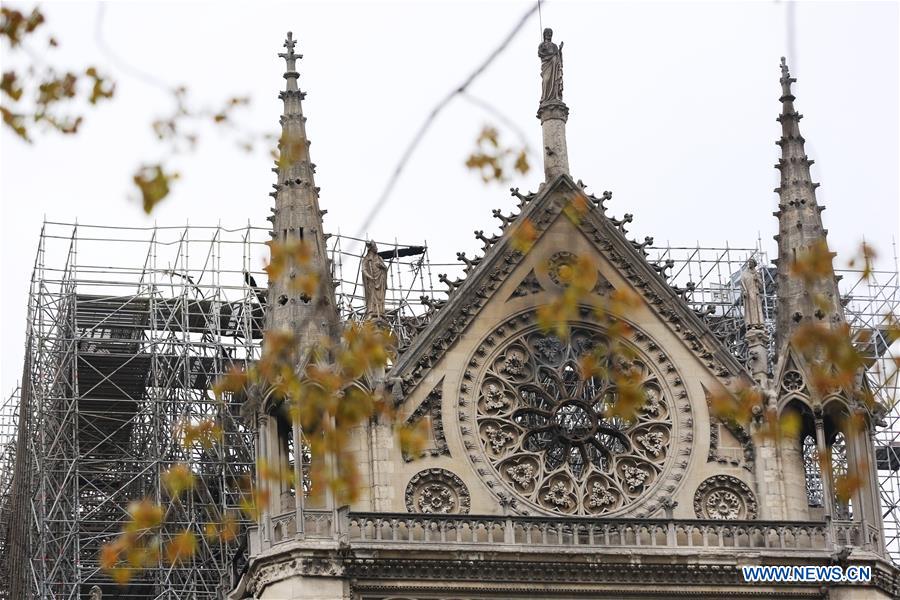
{"x": 9, "y": 414}
{"x": 128, "y": 329}
{"x": 409, "y": 280}
{"x": 710, "y": 281}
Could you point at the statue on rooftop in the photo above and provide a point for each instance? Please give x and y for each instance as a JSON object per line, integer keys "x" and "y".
{"x": 96, "y": 593}
{"x": 751, "y": 295}
{"x": 551, "y": 69}
{"x": 374, "y": 273}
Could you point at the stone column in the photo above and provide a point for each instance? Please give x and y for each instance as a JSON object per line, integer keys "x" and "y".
{"x": 553, "y": 116}
{"x": 794, "y": 476}
{"x": 298, "y": 476}
{"x": 824, "y": 473}
{"x": 871, "y": 483}
{"x": 862, "y": 464}
{"x": 758, "y": 351}
{"x": 262, "y": 450}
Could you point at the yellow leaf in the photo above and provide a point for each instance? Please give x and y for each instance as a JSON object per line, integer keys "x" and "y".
{"x": 177, "y": 479}
{"x": 181, "y": 547}
{"x": 154, "y": 184}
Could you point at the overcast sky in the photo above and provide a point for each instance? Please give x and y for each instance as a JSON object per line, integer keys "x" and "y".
{"x": 672, "y": 105}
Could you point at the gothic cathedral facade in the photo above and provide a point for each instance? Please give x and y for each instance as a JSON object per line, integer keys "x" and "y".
{"x": 533, "y": 485}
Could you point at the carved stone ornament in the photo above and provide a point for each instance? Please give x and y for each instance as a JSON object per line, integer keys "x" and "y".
{"x": 557, "y": 266}
{"x": 430, "y": 407}
{"x": 793, "y": 381}
{"x": 529, "y": 285}
{"x": 552, "y": 437}
{"x": 724, "y": 498}
{"x": 551, "y": 68}
{"x": 437, "y": 491}
{"x": 374, "y": 276}
{"x": 269, "y": 574}
{"x": 751, "y": 296}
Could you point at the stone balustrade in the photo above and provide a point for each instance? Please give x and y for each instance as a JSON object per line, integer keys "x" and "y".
{"x": 543, "y": 533}
{"x": 282, "y": 528}
{"x": 536, "y": 533}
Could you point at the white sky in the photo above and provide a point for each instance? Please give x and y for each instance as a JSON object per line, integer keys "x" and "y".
{"x": 673, "y": 108}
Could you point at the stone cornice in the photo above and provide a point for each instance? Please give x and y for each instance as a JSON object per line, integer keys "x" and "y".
{"x": 607, "y": 591}
{"x": 638, "y": 575}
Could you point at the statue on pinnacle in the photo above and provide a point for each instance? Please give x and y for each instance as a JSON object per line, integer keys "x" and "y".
{"x": 551, "y": 69}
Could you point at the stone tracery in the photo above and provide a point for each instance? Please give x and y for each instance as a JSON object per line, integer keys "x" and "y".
{"x": 437, "y": 491}
{"x": 723, "y": 497}
{"x": 551, "y": 434}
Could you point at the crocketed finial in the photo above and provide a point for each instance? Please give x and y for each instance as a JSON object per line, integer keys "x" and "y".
{"x": 786, "y": 80}
{"x": 290, "y": 58}
{"x": 289, "y": 43}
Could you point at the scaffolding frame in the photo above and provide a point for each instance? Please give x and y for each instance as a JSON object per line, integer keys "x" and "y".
{"x": 9, "y": 415}
{"x": 409, "y": 279}
{"x": 714, "y": 276}
{"x": 128, "y": 330}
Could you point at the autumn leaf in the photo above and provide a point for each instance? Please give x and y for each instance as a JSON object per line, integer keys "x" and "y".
{"x": 101, "y": 88}
{"x": 576, "y": 208}
{"x": 10, "y": 85}
{"x": 14, "y": 24}
{"x": 181, "y": 547}
{"x": 154, "y": 184}
{"x": 412, "y": 438}
{"x": 813, "y": 264}
{"x": 144, "y": 515}
{"x": 121, "y": 575}
{"x": 521, "y": 165}
{"x": 178, "y": 479}
{"x": 490, "y": 158}
{"x": 523, "y": 236}
{"x": 865, "y": 255}
{"x": 16, "y": 122}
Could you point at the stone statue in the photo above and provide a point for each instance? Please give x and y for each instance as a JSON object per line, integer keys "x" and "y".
{"x": 374, "y": 272}
{"x": 551, "y": 69}
{"x": 751, "y": 295}
{"x": 96, "y": 593}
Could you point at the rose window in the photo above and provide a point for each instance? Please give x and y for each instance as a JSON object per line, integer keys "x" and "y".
{"x": 560, "y": 440}
{"x": 793, "y": 381}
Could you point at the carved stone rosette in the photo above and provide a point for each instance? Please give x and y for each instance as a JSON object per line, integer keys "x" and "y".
{"x": 437, "y": 491}
{"x": 724, "y": 498}
{"x": 560, "y": 261}
{"x": 552, "y": 437}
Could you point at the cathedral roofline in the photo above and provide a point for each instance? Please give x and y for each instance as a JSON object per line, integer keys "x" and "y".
{"x": 469, "y": 295}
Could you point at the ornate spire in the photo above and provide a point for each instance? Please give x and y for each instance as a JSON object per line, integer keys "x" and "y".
{"x": 297, "y": 218}
{"x": 290, "y": 57}
{"x": 800, "y": 231}
{"x": 552, "y": 111}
